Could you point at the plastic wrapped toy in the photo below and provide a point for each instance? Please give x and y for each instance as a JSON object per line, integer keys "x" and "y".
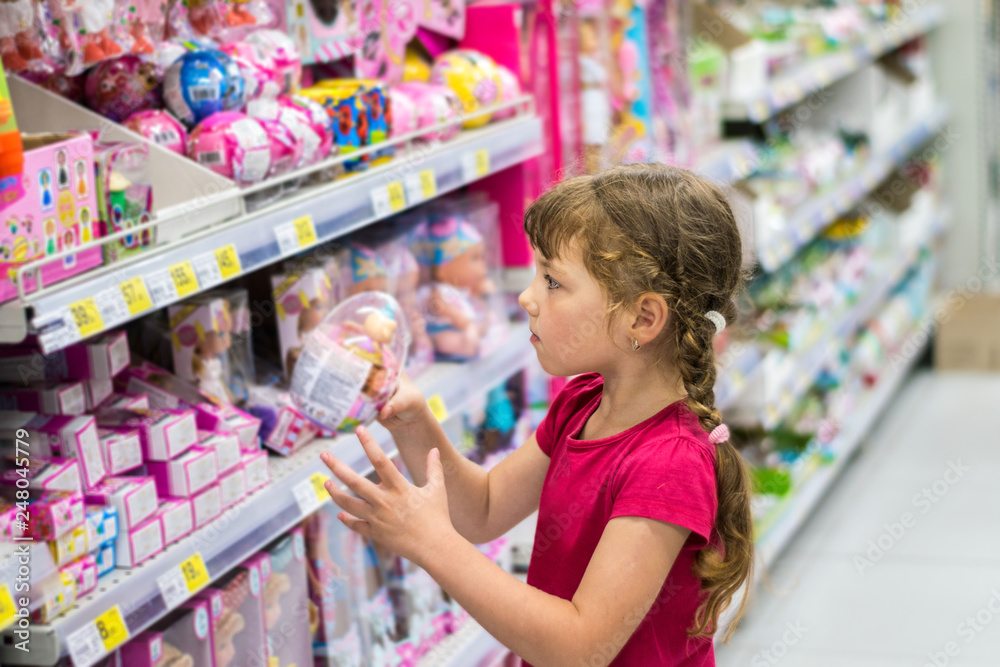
{"x": 510, "y": 89}
{"x": 286, "y": 146}
{"x": 89, "y": 32}
{"x": 282, "y": 50}
{"x": 124, "y": 196}
{"x": 200, "y": 335}
{"x": 233, "y": 145}
{"x": 119, "y": 87}
{"x": 260, "y": 75}
{"x": 350, "y": 365}
{"x": 160, "y": 127}
{"x": 19, "y": 42}
{"x": 308, "y": 121}
{"x": 474, "y": 78}
{"x": 435, "y": 104}
{"x": 301, "y": 302}
{"x": 403, "y": 113}
{"x": 49, "y": 78}
{"x": 147, "y": 20}
{"x": 201, "y": 83}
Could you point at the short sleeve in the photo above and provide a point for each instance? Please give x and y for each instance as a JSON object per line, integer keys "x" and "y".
{"x": 671, "y": 481}
{"x": 562, "y": 409}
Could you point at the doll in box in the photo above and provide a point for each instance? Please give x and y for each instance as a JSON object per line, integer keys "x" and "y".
{"x": 301, "y": 301}
{"x": 200, "y": 337}
{"x": 289, "y": 615}
{"x": 453, "y": 251}
{"x": 18, "y": 43}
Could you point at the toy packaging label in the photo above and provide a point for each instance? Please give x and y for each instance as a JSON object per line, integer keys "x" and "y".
{"x": 70, "y": 546}
{"x": 46, "y": 474}
{"x": 226, "y": 447}
{"x": 329, "y": 379}
{"x": 207, "y": 505}
{"x": 185, "y": 475}
{"x": 125, "y": 196}
{"x": 54, "y": 515}
{"x": 126, "y": 402}
{"x": 140, "y": 543}
{"x": 122, "y": 450}
{"x": 177, "y": 517}
{"x": 66, "y": 398}
{"x": 96, "y": 392}
{"x": 255, "y": 467}
{"x": 134, "y": 498}
{"x": 233, "y": 487}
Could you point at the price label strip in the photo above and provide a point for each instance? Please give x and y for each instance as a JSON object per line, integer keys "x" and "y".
{"x": 184, "y": 278}
{"x": 311, "y": 493}
{"x": 388, "y": 200}
{"x": 57, "y": 331}
{"x": 183, "y": 581}
{"x": 206, "y": 269}
{"x": 288, "y": 242}
{"x": 91, "y": 642}
{"x": 305, "y": 231}
{"x": 136, "y": 296}
{"x": 7, "y": 609}
{"x": 161, "y": 289}
{"x": 86, "y": 316}
{"x": 229, "y": 262}
{"x": 438, "y": 408}
{"x": 420, "y": 186}
{"x": 475, "y": 165}
{"x": 111, "y": 304}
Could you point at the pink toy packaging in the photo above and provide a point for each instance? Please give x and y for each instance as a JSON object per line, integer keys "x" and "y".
{"x": 101, "y": 526}
{"x": 187, "y": 635}
{"x": 257, "y": 471}
{"x": 323, "y": 31}
{"x": 369, "y": 587}
{"x": 124, "y": 196}
{"x": 45, "y": 474}
{"x": 122, "y": 86}
{"x": 283, "y": 428}
{"x": 206, "y": 505}
{"x": 52, "y": 209}
{"x": 443, "y": 17}
{"x": 50, "y": 398}
{"x": 71, "y": 438}
{"x": 160, "y": 127}
{"x": 286, "y": 146}
{"x": 84, "y": 571}
{"x": 200, "y": 337}
{"x": 54, "y": 515}
{"x": 122, "y": 401}
{"x": 301, "y": 300}
{"x": 146, "y": 650}
{"x": 88, "y": 32}
{"x": 309, "y": 122}
{"x": 382, "y": 53}
{"x": 21, "y": 23}
{"x": 140, "y": 543}
{"x": 239, "y": 631}
{"x": 69, "y": 547}
{"x": 102, "y": 357}
{"x": 164, "y": 434}
{"x": 232, "y": 487}
{"x": 96, "y": 392}
{"x": 120, "y": 450}
{"x": 434, "y": 104}
{"x": 225, "y": 447}
{"x": 185, "y": 475}
{"x": 286, "y": 602}
{"x": 176, "y": 515}
{"x": 147, "y": 24}
{"x": 260, "y": 74}
{"x": 232, "y": 145}
{"x": 134, "y": 498}
{"x": 281, "y": 49}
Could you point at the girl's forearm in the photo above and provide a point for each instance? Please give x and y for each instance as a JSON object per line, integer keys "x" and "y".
{"x": 543, "y": 629}
{"x": 467, "y": 483}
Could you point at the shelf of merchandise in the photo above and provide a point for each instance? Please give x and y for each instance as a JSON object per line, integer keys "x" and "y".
{"x": 294, "y": 493}
{"x": 798, "y": 84}
{"x": 471, "y": 646}
{"x": 804, "y": 223}
{"x": 112, "y": 295}
{"x": 730, "y": 161}
{"x": 41, "y": 574}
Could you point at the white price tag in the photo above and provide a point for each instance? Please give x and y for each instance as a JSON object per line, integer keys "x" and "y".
{"x": 62, "y": 332}
{"x": 112, "y": 306}
{"x": 469, "y": 167}
{"x": 173, "y": 587}
{"x": 206, "y": 267}
{"x": 161, "y": 288}
{"x": 306, "y": 497}
{"x": 381, "y": 203}
{"x": 288, "y": 240}
{"x": 85, "y": 646}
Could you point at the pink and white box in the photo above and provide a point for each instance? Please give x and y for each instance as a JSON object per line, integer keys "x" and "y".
{"x": 164, "y": 434}
{"x": 70, "y": 437}
{"x": 144, "y": 650}
{"x": 255, "y": 467}
{"x": 119, "y": 401}
{"x": 233, "y": 487}
{"x": 96, "y": 391}
{"x": 185, "y": 475}
{"x": 70, "y": 546}
{"x": 100, "y": 358}
{"x": 207, "y": 506}
{"x": 84, "y": 572}
{"x": 226, "y": 447}
{"x": 50, "y": 398}
{"x": 45, "y": 474}
{"x": 177, "y": 517}
{"x": 54, "y": 515}
{"x": 121, "y": 449}
{"x": 140, "y": 543}
{"x": 134, "y": 498}
{"x": 227, "y": 418}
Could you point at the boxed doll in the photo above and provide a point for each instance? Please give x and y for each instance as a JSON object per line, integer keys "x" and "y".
{"x": 187, "y": 635}
{"x": 287, "y": 613}
{"x": 164, "y": 434}
{"x": 53, "y": 515}
{"x": 84, "y": 572}
{"x": 199, "y": 334}
{"x": 177, "y": 517}
{"x": 283, "y": 428}
{"x": 50, "y": 398}
{"x": 51, "y": 209}
{"x": 121, "y": 450}
{"x": 301, "y": 300}
{"x": 238, "y": 631}
{"x": 238, "y": 361}
{"x": 185, "y": 475}
{"x": 140, "y": 543}
{"x": 134, "y": 498}
{"x": 101, "y": 358}
{"x": 370, "y": 591}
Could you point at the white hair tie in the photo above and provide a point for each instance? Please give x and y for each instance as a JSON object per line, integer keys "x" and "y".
{"x": 718, "y": 320}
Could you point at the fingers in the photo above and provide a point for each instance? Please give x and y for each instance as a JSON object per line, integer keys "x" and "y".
{"x": 435, "y": 471}
{"x": 346, "y": 501}
{"x": 361, "y": 487}
{"x": 359, "y": 526}
{"x": 386, "y": 469}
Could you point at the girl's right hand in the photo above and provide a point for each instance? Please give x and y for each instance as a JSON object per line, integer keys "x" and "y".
{"x": 405, "y": 406}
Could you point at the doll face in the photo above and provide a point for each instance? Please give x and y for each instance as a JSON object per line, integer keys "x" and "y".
{"x": 372, "y": 284}
{"x": 310, "y": 318}
{"x": 225, "y": 653}
{"x": 272, "y": 612}
{"x": 588, "y": 36}
{"x": 467, "y": 270}
{"x": 379, "y": 328}
{"x": 214, "y": 344}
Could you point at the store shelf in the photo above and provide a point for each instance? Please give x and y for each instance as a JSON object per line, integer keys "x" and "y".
{"x": 797, "y": 85}
{"x": 471, "y": 646}
{"x": 802, "y": 225}
{"x": 245, "y": 528}
{"x": 264, "y": 237}
{"x": 730, "y": 161}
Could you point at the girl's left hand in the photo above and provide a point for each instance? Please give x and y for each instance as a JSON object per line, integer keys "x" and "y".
{"x": 410, "y": 520}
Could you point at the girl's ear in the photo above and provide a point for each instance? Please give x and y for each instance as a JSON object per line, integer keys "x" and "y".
{"x": 651, "y": 313}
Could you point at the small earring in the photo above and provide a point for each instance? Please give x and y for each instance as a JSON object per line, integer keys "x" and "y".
{"x": 635, "y": 345}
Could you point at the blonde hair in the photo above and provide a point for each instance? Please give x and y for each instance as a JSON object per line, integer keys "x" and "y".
{"x": 651, "y": 228}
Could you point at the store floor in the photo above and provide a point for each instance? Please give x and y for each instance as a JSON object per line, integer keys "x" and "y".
{"x": 900, "y": 565}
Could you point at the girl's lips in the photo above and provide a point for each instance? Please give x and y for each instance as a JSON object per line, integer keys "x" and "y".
{"x": 534, "y": 337}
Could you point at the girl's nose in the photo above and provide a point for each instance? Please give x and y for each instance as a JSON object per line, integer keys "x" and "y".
{"x": 526, "y": 302}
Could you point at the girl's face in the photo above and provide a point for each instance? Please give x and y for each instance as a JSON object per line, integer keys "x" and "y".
{"x": 567, "y": 312}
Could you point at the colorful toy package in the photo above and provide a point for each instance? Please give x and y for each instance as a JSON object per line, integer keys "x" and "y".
{"x": 287, "y": 607}
{"x": 301, "y": 300}
{"x": 338, "y": 636}
{"x": 238, "y": 632}
{"x": 124, "y": 196}
{"x": 200, "y": 337}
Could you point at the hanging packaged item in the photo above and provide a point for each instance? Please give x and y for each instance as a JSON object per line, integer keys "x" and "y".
{"x": 124, "y": 196}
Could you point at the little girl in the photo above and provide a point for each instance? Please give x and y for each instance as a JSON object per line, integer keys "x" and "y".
{"x": 644, "y": 528}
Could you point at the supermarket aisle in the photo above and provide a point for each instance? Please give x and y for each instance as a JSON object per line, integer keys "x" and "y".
{"x": 901, "y": 562}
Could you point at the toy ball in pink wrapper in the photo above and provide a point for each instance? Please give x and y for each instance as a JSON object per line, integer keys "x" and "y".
{"x": 119, "y": 87}
{"x": 260, "y": 74}
{"x": 510, "y": 89}
{"x": 280, "y": 48}
{"x": 310, "y": 123}
{"x": 435, "y": 104}
{"x": 350, "y": 364}
{"x": 159, "y": 127}
{"x": 286, "y": 146}
{"x": 233, "y": 145}
{"x": 404, "y": 112}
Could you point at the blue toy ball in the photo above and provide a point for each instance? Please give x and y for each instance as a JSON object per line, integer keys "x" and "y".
{"x": 201, "y": 83}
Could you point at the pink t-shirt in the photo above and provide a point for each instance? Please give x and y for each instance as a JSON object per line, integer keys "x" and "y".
{"x": 663, "y": 469}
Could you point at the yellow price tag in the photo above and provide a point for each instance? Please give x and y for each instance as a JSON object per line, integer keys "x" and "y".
{"x": 136, "y": 295}
{"x": 319, "y": 481}
{"x": 482, "y": 162}
{"x": 7, "y": 609}
{"x": 229, "y": 261}
{"x": 184, "y": 279}
{"x": 428, "y": 184}
{"x": 438, "y": 408}
{"x": 305, "y": 231}
{"x": 112, "y": 629}
{"x": 87, "y": 316}
{"x": 397, "y": 197}
{"x": 195, "y": 573}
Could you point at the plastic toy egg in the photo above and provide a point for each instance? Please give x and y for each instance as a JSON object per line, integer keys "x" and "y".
{"x": 351, "y": 362}
{"x": 474, "y": 78}
{"x": 119, "y": 87}
{"x": 510, "y": 89}
{"x": 202, "y": 83}
{"x": 159, "y": 127}
{"x": 403, "y": 110}
{"x": 261, "y": 79}
{"x": 46, "y": 76}
{"x": 233, "y": 145}
{"x": 280, "y": 48}
{"x": 415, "y": 68}
{"x": 309, "y": 120}
{"x": 286, "y": 147}
{"x": 435, "y": 104}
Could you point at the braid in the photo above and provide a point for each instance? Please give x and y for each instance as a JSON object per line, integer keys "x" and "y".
{"x": 696, "y": 363}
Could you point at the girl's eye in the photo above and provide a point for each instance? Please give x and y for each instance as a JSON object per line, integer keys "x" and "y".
{"x": 552, "y": 284}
